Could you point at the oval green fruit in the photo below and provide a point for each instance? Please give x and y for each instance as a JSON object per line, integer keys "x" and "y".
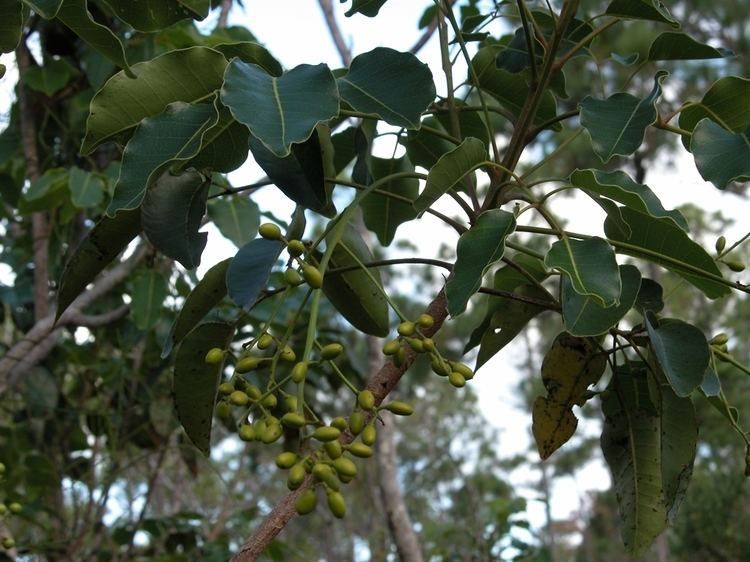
{"x": 286, "y": 460}
{"x": 246, "y": 432}
{"x": 295, "y": 248}
{"x": 293, "y": 419}
{"x": 406, "y": 329}
{"x": 356, "y": 423}
{"x": 428, "y": 345}
{"x": 331, "y": 351}
{"x": 246, "y": 364}
{"x": 400, "y": 408}
{"x": 223, "y": 409}
{"x": 456, "y": 379}
{"x": 333, "y": 449}
{"x": 292, "y": 277}
{"x": 735, "y": 265}
{"x": 270, "y": 401}
{"x": 287, "y": 354}
{"x": 721, "y": 243}
{"x": 253, "y": 391}
{"x": 269, "y": 231}
{"x": 369, "y": 435}
{"x": 416, "y": 344}
{"x": 326, "y": 433}
{"x": 226, "y": 388}
{"x": 299, "y": 371}
{"x": 265, "y": 341}
{"x": 336, "y": 504}
{"x": 360, "y": 450}
{"x": 313, "y": 276}
{"x": 425, "y": 321}
{"x": 306, "y": 502}
{"x": 462, "y": 368}
{"x": 296, "y": 476}
{"x": 344, "y": 466}
{"x": 324, "y": 473}
{"x": 15, "y": 507}
{"x": 239, "y": 398}
{"x": 272, "y": 433}
{"x": 214, "y": 356}
{"x": 366, "y": 400}
{"x": 290, "y": 403}
{"x": 719, "y": 339}
{"x": 9, "y": 543}
{"x": 339, "y": 422}
{"x": 392, "y": 347}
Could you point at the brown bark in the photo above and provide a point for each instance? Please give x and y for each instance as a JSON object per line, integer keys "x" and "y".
{"x": 226, "y": 7}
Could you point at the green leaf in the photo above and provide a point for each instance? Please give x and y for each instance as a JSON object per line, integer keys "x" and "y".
{"x": 46, "y": 8}
{"x": 251, "y": 53}
{"x": 369, "y": 8}
{"x": 631, "y": 443}
{"x": 86, "y": 189}
{"x": 478, "y": 248}
{"x": 237, "y": 218}
{"x": 617, "y": 125}
{"x": 224, "y": 146}
{"x": 727, "y": 102}
{"x": 75, "y": 15}
{"x": 150, "y": 15}
{"x": 511, "y": 90}
{"x": 584, "y": 316}
{"x": 672, "y": 45}
{"x": 650, "y": 297}
{"x": 272, "y": 107}
{"x": 591, "y": 266}
{"x": 652, "y": 10}
{"x": 102, "y": 245}
{"x": 207, "y": 293}
{"x": 195, "y": 382}
{"x": 148, "y": 294}
{"x": 355, "y": 294}
{"x": 50, "y": 78}
{"x": 174, "y": 135}
{"x": 171, "y": 215}
{"x": 570, "y": 366}
{"x": 450, "y": 169}
{"x": 199, "y": 8}
{"x": 250, "y": 269}
{"x": 620, "y": 187}
{"x": 721, "y": 156}
{"x": 681, "y": 350}
{"x": 11, "y": 24}
{"x": 187, "y": 75}
{"x": 423, "y": 147}
{"x": 343, "y": 148}
{"x": 667, "y": 245}
{"x": 395, "y": 86}
{"x": 383, "y": 214}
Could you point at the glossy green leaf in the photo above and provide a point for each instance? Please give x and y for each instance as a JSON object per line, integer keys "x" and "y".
{"x": 423, "y": 147}
{"x": 511, "y": 90}
{"x": 395, "y": 86}
{"x": 383, "y": 214}
{"x": 186, "y": 75}
{"x": 478, "y": 248}
{"x": 620, "y": 187}
{"x": 50, "y": 78}
{"x": 355, "y": 294}
{"x": 207, "y": 293}
{"x": 50, "y": 180}
{"x": 584, "y": 316}
{"x": 224, "y": 146}
{"x": 171, "y": 214}
{"x": 653, "y": 10}
{"x": 727, "y": 102}
{"x": 101, "y": 246}
{"x": 450, "y": 169}
{"x": 273, "y": 108}
{"x": 591, "y": 267}
{"x": 681, "y": 350}
{"x": 236, "y": 217}
{"x": 195, "y": 382}
{"x": 369, "y": 8}
{"x": 199, "y": 8}
{"x": 344, "y": 149}
{"x": 86, "y": 189}
{"x": 617, "y": 125}
{"x": 250, "y": 269}
{"x": 570, "y": 366}
{"x": 631, "y": 443}
{"x": 174, "y": 135}
{"x": 672, "y": 45}
{"x": 11, "y": 24}
{"x": 667, "y": 245}
{"x": 147, "y": 297}
{"x": 721, "y": 156}
{"x": 252, "y": 53}
{"x": 650, "y": 297}
{"x": 75, "y": 15}
{"x": 46, "y": 8}
{"x": 150, "y": 15}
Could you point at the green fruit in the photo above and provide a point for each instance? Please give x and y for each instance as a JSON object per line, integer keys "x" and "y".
{"x": 272, "y": 433}
{"x": 270, "y": 401}
{"x": 226, "y": 388}
{"x": 295, "y": 248}
{"x": 400, "y": 357}
{"x": 299, "y": 371}
{"x": 313, "y": 276}
{"x": 336, "y": 504}
{"x": 462, "y": 368}
{"x": 333, "y": 449}
{"x": 392, "y": 347}
{"x": 296, "y": 476}
{"x": 2, "y": 468}
{"x": 239, "y": 398}
{"x": 287, "y": 354}
{"x": 439, "y": 366}
{"x": 428, "y": 345}
{"x": 306, "y": 502}
{"x": 324, "y": 473}
{"x": 406, "y": 329}
{"x": 366, "y": 400}
{"x": 15, "y": 507}
{"x": 259, "y": 426}
{"x": 253, "y": 391}
{"x": 735, "y": 265}
{"x": 369, "y": 435}
{"x": 339, "y": 422}
{"x": 356, "y": 423}
{"x": 331, "y": 351}
{"x": 416, "y": 344}
{"x": 719, "y": 339}
{"x": 265, "y": 341}
{"x": 9, "y": 543}
{"x": 223, "y": 409}
{"x": 290, "y": 403}
{"x": 326, "y": 433}
{"x": 360, "y": 450}
{"x": 292, "y": 277}
{"x": 721, "y": 243}
{"x": 246, "y": 364}
{"x": 344, "y": 466}
{"x": 214, "y": 356}
{"x": 400, "y": 408}
{"x": 293, "y": 419}
{"x": 425, "y": 321}
{"x": 269, "y": 231}
{"x": 286, "y": 460}
{"x": 456, "y": 379}
{"x": 246, "y": 432}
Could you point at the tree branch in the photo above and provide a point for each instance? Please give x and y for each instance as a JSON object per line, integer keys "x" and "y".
{"x": 226, "y": 7}
{"x": 381, "y": 384}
